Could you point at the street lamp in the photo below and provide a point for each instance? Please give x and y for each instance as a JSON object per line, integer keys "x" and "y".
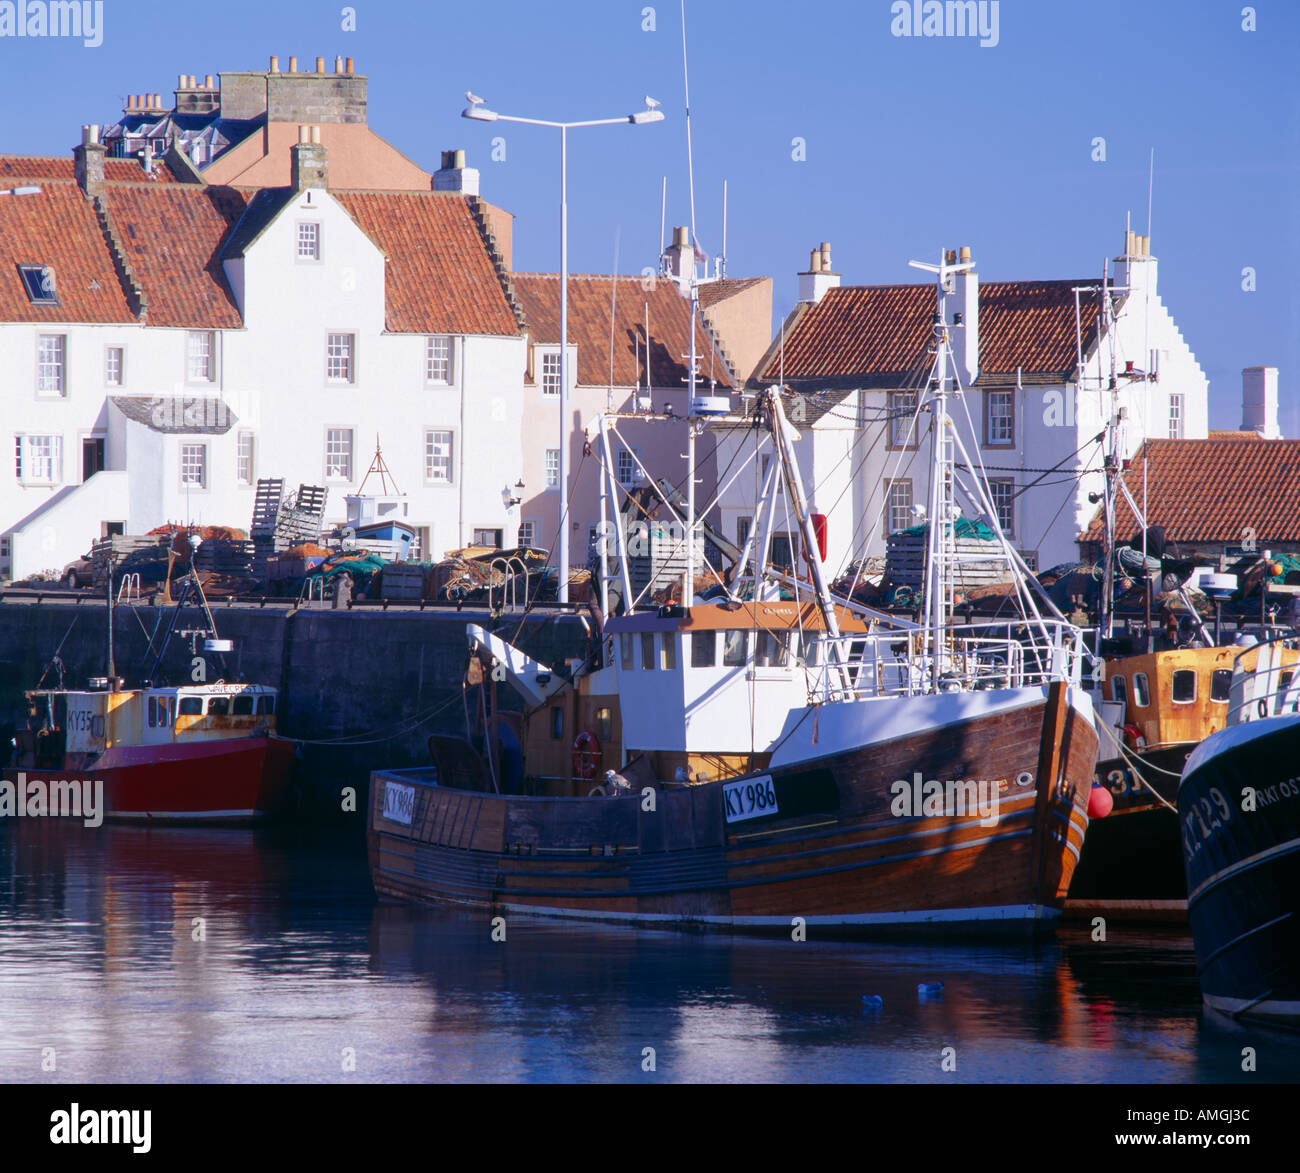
{"x": 478, "y": 112}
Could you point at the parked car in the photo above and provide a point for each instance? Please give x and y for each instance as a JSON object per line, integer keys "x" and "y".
{"x": 80, "y": 572}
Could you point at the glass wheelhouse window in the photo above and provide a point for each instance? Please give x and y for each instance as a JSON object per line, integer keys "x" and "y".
{"x": 1184, "y": 686}
{"x": 242, "y": 706}
{"x": 266, "y": 704}
{"x": 625, "y": 650}
{"x": 604, "y": 725}
{"x": 1119, "y": 689}
{"x": 1220, "y": 685}
{"x": 1141, "y": 692}
{"x": 734, "y": 646}
{"x": 647, "y": 649}
{"x": 190, "y": 706}
{"x": 770, "y": 651}
{"x": 219, "y": 706}
{"x": 704, "y": 649}
{"x": 668, "y": 651}
{"x": 1283, "y": 683}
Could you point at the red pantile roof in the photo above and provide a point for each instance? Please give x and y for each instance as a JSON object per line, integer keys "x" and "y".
{"x": 717, "y": 291}
{"x": 591, "y": 300}
{"x": 1211, "y": 490}
{"x": 874, "y": 330}
{"x": 440, "y": 276}
{"x": 58, "y": 228}
{"x": 172, "y": 237}
{"x": 36, "y": 167}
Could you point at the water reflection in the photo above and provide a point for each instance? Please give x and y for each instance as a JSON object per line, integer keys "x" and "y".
{"x": 222, "y": 955}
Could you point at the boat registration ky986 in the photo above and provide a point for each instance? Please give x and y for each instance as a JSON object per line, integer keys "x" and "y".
{"x": 399, "y": 802}
{"x": 749, "y": 799}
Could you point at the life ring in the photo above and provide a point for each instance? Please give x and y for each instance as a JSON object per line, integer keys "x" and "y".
{"x": 1133, "y": 737}
{"x": 586, "y": 756}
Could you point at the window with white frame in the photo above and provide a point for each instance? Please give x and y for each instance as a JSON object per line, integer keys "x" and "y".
{"x": 999, "y": 417}
{"x": 114, "y": 366}
{"x": 308, "y": 240}
{"x": 528, "y": 533}
{"x": 1002, "y": 492}
{"x": 438, "y": 453}
{"x": 1176, "y": 415}
{"x": 629, "y": 473}
{"x": 898, "y": 505}
{"x": 338, "y": 454}
{"x": 902, "y": 406}
{"x": 52, "y": 364}
{"x": 743, "y": 527}
{"x": 194, "y": 465}
{"x": 244, "y": 458}
{"x": 552, "y": 468}
{"x": 38, "y": 459}
{"x": 200, "y": 359}
{"x": 340, "y": 352}
{"x": 437, "y": 359}
{"x": 551, "y": 373}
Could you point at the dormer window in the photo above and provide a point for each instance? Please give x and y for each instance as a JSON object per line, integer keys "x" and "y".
{"x": 551, "y": 374}
{"x": 38, "y": 281}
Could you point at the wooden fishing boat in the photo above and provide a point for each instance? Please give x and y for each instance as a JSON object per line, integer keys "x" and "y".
{"x": 1239, "y": 808}
{"x": 762, "y": 764}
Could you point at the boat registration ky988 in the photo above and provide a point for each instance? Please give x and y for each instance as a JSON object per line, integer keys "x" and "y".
{"x": 749, "y": 799}
{"x": 399, "y": 802}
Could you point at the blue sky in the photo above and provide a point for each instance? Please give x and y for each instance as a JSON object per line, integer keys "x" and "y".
{"x": 912, "y": 144}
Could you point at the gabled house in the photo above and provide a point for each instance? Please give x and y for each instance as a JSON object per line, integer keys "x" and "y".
{"x": 629, "y": 341}
{"x": 1035, "y": 362}
{"x": 198, "y": 337}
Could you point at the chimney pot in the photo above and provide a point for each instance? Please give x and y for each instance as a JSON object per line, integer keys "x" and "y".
{"x": 207, "y": 82}
{"x": 826, "y": 256}
{"x": 293, "y": 64}
{"x": 320, "y": 64}
{"x": 950, "y": 256}
{"x": 815, "y": 261}
{"x": 964, "y": 254}
{"x": 348, "y": 65}
{"x": 180, "y": 81}
{"x": 275, "y": 65}
{"x": 315, "y": 136}
{"x": 338, "y": 64}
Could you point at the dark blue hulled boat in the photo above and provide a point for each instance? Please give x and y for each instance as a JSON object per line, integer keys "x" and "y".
{"x": 1239, "y": 813}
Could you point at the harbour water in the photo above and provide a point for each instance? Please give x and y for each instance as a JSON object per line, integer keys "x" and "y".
{"x": 216, "y": 956}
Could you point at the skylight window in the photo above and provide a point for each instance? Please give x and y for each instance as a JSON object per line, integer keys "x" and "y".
{"x": 38, "y": 281}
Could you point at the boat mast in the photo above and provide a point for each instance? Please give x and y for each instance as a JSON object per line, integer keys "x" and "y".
{"x": 112, "y": 666}
{"x": 941, "y": 551}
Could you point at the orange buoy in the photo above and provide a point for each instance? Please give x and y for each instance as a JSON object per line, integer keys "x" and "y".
{"x": 1099, "y": 802}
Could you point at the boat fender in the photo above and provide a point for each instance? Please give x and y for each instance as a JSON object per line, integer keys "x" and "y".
{"x": 1262, "y": 707}
{"x": 1100, "y": 802}
{"x": 586, "y": 755}
{"x": 1133, "y": 737}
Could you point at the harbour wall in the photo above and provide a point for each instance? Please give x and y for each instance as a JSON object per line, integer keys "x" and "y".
{"x": 384, "y": 680}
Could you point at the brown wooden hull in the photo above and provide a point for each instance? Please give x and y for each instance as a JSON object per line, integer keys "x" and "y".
{"x": 841, "y": 853}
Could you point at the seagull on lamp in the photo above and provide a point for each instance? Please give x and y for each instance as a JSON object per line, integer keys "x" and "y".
{"x": 650, "y": 103}
{"x": 474, "y": 99}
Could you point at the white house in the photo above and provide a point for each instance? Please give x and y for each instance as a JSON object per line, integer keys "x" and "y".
{"x": 1036, "y": 369}
{"x": 164, "y": 344}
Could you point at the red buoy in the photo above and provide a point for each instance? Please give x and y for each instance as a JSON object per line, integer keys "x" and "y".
{"x": 1100, "y": 802}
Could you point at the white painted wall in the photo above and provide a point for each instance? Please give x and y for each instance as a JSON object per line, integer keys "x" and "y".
{"x": 271, "y": 374}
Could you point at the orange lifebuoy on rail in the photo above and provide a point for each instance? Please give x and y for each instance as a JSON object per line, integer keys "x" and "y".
{"x": 586, "y": 756}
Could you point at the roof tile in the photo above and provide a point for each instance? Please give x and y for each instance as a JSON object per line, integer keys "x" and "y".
{"x": 1211, "y": 490}
{"x": 591, "y": 301}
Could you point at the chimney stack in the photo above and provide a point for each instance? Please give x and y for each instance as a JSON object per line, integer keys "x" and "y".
{"x": 1259, "y": 402}
{"x": 455, "y": 176}
{"x": 309, "y": 161}
{"x": 819, "y": 278}
{"x": 1136, "y": 269}
{"x": 88, "y": 161}
{"x": 681, "y": 258}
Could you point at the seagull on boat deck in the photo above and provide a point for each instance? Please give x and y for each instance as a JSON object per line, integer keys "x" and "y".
{"x": 474, "y": 99}
{"x": 650, "y": 103}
